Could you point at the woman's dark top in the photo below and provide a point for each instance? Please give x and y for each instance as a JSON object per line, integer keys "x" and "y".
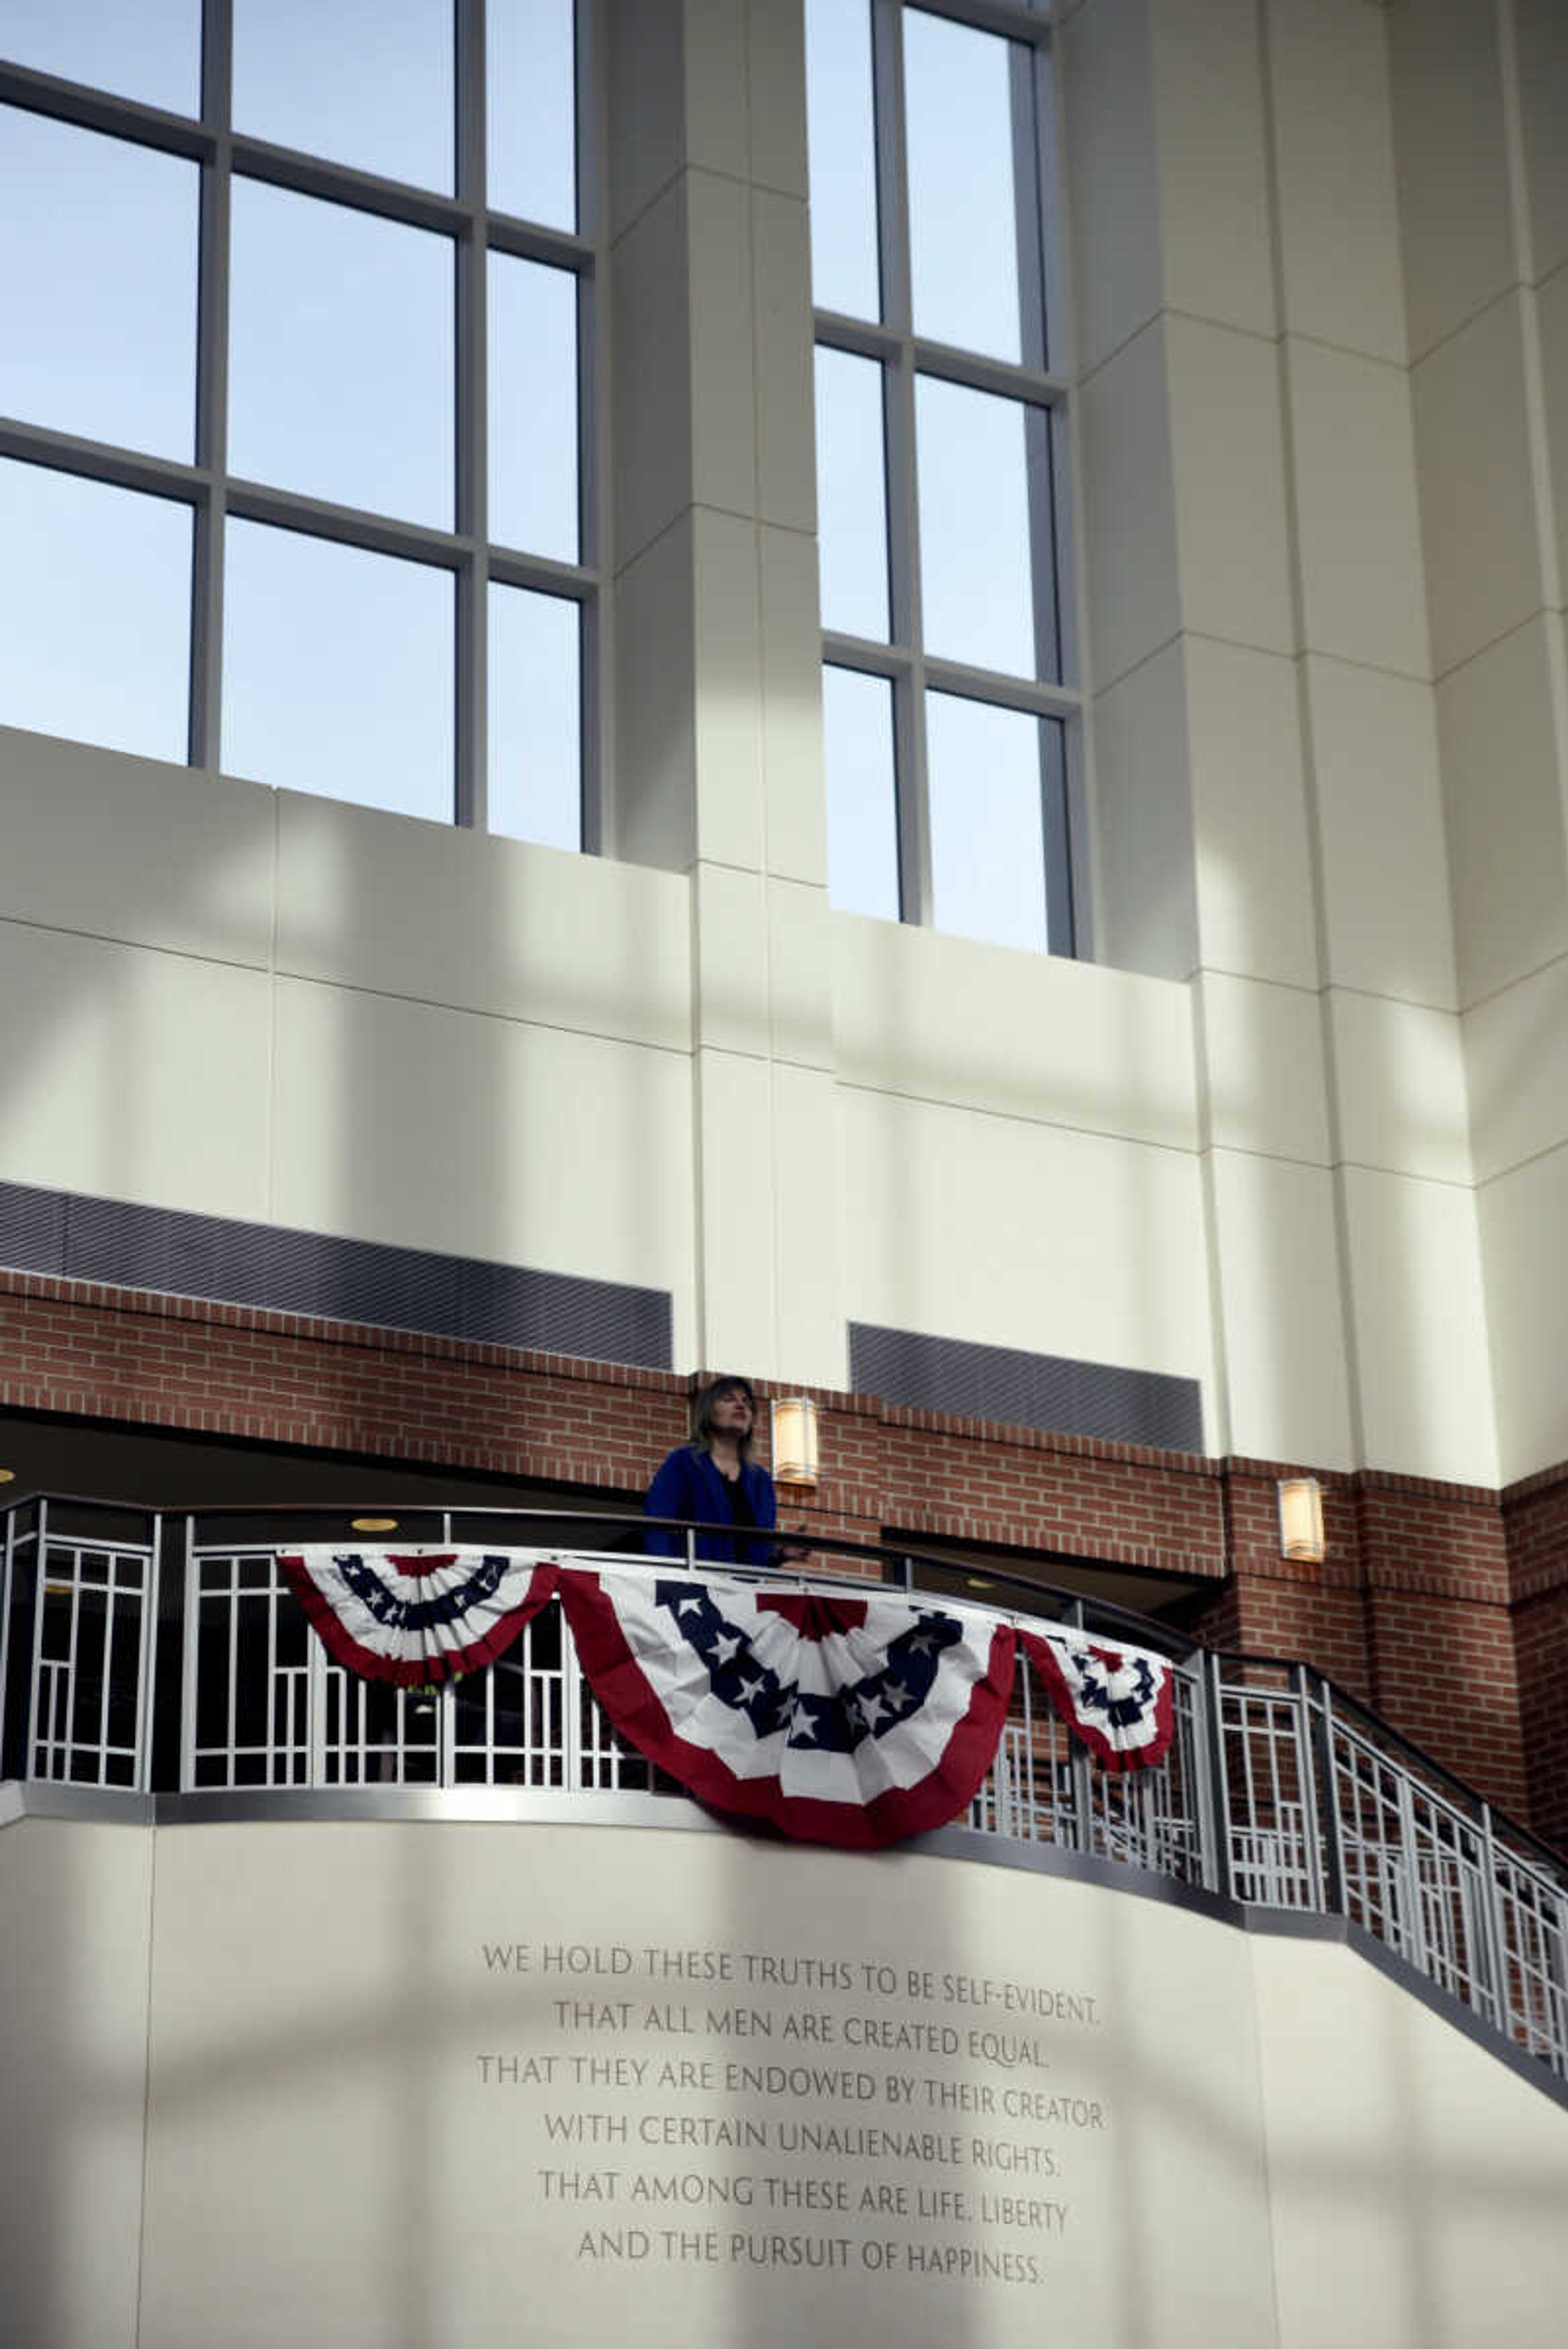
{"x": 691, "y": 1485}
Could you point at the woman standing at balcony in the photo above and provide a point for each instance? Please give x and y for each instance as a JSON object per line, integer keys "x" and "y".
{"x": 714, "y": 1481}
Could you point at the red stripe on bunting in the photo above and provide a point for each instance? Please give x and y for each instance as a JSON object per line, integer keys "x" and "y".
{"x": 415, "y": 1564}
{"x": 618, "y": 1680}
{"x": 812, "y": 1615}
{"x": 412, "y": 1671}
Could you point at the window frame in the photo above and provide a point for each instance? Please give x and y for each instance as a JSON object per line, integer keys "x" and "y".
{"x": 213, "y": 493}
{"x": 1040, "y": 383}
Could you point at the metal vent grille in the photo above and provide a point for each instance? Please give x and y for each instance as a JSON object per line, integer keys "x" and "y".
{"x": 79, "y": 1238}
{"x": 1044, "y": 1390}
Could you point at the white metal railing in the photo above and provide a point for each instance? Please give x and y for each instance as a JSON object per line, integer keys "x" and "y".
{"x": 1277, "y": 1792}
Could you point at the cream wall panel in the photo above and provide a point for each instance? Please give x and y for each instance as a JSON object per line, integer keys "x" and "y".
{"x": 1420, "y": 1328}
{"x": 1416, "y": 2186}
{"x": 808, "y": 1228}
{"x": 775, "y": 95}
{"x": 1502, "y": 789}
{"x": 133, "y": 849}
{"x": 1249, "y": 813}
{"x": 132, "y": 1074}
{"x": 1214, "y": 221}
{"x": 714, "y": 54}
{"x": 794, "y": 804}
{"x": 729, "y": 713}
{"x": 1478, "y": 498}
{"x": 786, "y": 451}
{"x": 1334, "y": 156}
{"x": 1025, "y": 1036}
{"x": 1261, "y": 1052}
{"x": 1540, "y": 33}
{"x": 1103, "y": 52}
{"x": 1524, "y": 1251}
{"x": 1387, "y": 922}
{"x": 1363, "y": 594}
{"x": 1227, "y": 473}
{"x": 1400, "y": 1087}
{"x": 436, "y": 1129}
{"x": 646, "y": 79}
{"x": 1279, "y": 1289}
{"x": 737, "y": 1290}
{"x": 800, "y": 931}
{"x": 382, "y": 2090}
{"x": 1552, "y": 311}
{"x": 1516, "y": 1048}
{"x": 1012, "y": 1234}
{"x": 452, "y": 916}
{"x": 653, "y": 814}
{"x": 1146, "y": 898}
{"x": 1452, "y": 162}
{"x": 651, "y": 375}
{"x": 1129, "y": 517}
{"x": 724, "y": 381}
{"x": 75, "y": 1929}
{"x": 729, "y": 955}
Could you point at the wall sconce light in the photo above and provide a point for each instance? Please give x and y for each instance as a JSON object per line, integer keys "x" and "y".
{"x": 7, "y": 1475}
{"x": 1301, "y": 1519}
{"x": 795, "y": 1442}
{"x": 374, "y": 1525}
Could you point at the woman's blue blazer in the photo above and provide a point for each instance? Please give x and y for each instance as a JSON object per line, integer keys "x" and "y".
{"x": 690, "y": 1485}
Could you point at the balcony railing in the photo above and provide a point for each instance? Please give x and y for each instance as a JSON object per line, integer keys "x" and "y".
{"x": 163, "y": 1653}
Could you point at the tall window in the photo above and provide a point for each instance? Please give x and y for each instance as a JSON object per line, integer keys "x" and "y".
{"x": 294, "y": 396}
{"x": 949, "y": 695}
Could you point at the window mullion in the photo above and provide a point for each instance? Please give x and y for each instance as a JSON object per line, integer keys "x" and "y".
{"x": 206, "y": 711}
{"x": 473, "y": 417}
{"x": 899, "y": 415}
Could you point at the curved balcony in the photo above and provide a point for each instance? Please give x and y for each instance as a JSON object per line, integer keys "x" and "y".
{"x": 159, "y": 1662}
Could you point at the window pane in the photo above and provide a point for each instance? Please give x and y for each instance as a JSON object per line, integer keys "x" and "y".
{"x": 963, "y": 232}
{"x": 852, "y": 494}
{"x": 367, "y": 82}
{"x": 988, "y": 833}
{"x": 95, "y": 612}
{"x": 984, "y": 481}
{"x": 846, "y": 272}
{"x": 97, "y": 259}
{"x": 530, "y": 89}
{"x": 152, "y": 52}
{"x": 533, "y": 340}
{"x": 337, "y": 672}
{"x": 340, "y": 354}
{"x": 862, "y": 799}
{"x": 535, "y": 721}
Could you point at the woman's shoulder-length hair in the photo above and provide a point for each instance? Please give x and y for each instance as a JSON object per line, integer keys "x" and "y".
{"x": 705, "y": 1402}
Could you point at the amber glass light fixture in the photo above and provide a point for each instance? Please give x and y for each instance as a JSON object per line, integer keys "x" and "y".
{"x": 1301, "y": 1519}
{"x": 795, "y": 1442}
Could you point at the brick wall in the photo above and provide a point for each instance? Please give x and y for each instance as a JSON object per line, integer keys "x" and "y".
{"x": 1435, "y": 1604}
{"x": 1536, "y": 1513}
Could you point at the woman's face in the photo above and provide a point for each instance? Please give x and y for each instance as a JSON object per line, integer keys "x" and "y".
{"x": 731, "y": 1413}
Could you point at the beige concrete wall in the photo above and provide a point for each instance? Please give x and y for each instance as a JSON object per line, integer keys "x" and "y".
{"x": 285, "y": 2082}
{"x": 1481, "y": 105}
{"x": 1416, "y": 2187}
{"x": 75, "y": 1922}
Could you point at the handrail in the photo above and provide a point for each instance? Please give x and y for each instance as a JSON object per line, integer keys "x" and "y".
{"x": 1142, "y": 1629}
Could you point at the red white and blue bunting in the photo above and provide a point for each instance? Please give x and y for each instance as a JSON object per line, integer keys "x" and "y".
{"x": 416, "y": 1616}
{"x": 837, "y": 1719}
{"x": 1117, "y": 1700}
{"x": 846, "y": 1721}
